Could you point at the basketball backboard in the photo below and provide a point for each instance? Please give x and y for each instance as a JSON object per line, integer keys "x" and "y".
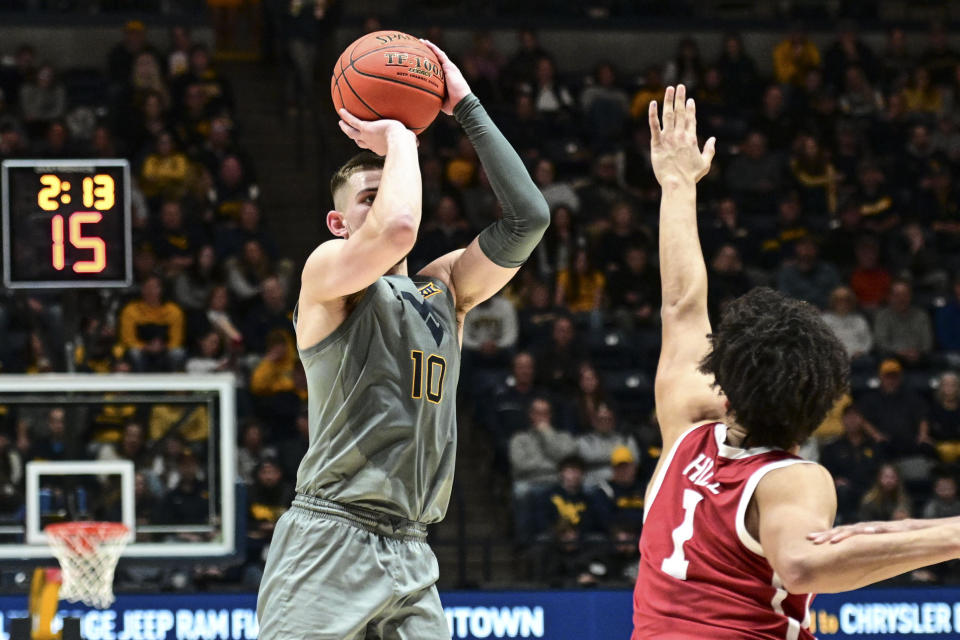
{"x": 157, "y": 452}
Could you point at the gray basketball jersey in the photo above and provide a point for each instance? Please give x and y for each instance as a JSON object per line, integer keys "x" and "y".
{"x": 382, "y": 402}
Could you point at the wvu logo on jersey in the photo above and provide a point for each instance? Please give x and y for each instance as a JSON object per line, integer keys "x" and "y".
{"x": 429, "y": 289}
{"x": 425, "y": 309}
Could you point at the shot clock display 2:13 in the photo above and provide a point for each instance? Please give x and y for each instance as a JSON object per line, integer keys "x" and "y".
{"x": 66, "y": 223}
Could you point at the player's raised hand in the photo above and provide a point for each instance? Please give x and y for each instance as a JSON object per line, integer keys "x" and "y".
{"x": 371, "y": 134}
{"x": 457, "y": 87}
{"x": 674, "y": 150}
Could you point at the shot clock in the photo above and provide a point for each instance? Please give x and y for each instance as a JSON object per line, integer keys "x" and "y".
{"x": 66, "y": 223}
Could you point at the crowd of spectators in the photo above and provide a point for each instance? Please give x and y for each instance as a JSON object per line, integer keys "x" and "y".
{"x": 211, "y": 292}
{"x": 832, "y": 183}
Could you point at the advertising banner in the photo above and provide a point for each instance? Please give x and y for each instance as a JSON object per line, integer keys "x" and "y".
{"x": 555, "y": 615}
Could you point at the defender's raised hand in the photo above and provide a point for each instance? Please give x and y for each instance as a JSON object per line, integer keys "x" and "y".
{"x": 456, "y": 84}
{"x": 674, "y": 150}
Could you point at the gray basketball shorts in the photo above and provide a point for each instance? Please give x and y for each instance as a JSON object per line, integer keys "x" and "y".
{"x": 336, "y": 572}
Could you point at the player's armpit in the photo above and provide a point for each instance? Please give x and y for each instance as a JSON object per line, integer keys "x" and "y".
{"x": 470, "y": 274}
{"x": 684, "y": 396}
{"x": 799, "y": 499}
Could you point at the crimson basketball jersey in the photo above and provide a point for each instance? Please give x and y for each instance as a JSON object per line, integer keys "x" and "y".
{"x": 701, "y": 572}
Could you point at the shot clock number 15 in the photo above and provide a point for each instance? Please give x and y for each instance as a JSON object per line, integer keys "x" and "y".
{"x": 98, "y": 192}
{"x": 66, "y": 223}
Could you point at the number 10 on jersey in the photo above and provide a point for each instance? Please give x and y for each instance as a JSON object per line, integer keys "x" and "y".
{"x": 429, "y": 382}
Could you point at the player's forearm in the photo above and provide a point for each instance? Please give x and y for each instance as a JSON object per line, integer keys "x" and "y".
{"x": 863, "y": 560}
{"x": 511, "y": 240}
{"x": 683, "y": 273}
{"x": 397, "y": 208}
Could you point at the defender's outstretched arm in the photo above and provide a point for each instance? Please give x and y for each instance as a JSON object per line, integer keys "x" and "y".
{"x": 805, "y": 567}
{"x": 684, "y": 396}
{"x": 842, "y": 532}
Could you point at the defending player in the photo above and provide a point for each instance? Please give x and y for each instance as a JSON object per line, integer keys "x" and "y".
{"x": 381, "y": 351}
{"x": 724, "y": 549}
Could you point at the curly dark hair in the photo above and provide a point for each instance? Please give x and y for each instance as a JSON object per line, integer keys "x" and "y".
{"x": 779, "y": 365}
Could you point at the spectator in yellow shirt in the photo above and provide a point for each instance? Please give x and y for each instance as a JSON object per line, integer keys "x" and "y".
{"x": 273, "y": 382}
{"x": 166, "y": 171}
{"x": 921, "y": 95}
{"x": 794, "y": 57}
{"x": 651, "y": 89}
{"x": 581, "y": 287}
{"x": 151, "y": 330}
{"x": 816, "y": 176}
{"x": 274, "y": 374}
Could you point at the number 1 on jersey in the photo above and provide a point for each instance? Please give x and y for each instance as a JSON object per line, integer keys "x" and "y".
{"x": 676, "y": 564}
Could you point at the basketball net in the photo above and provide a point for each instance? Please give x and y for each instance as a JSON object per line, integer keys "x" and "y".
{"x": 88, "y": 554}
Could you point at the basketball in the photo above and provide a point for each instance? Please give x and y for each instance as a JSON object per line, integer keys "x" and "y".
{"x": 389, "y": 74}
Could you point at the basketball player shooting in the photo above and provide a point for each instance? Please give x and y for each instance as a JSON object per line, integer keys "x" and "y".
{"x": 728, "y": 548}
{"x": 381, "y": 351}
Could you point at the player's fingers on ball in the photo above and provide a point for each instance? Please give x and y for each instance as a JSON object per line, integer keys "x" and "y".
{"x": 352, "y": 133}
{"x": 436, "y": 49}
{"x": 351, "y": 119}
{"x": 441, "y": 56}
{"x": 654, "y": 122}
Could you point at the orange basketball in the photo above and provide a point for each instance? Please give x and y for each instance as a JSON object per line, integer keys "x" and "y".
{"x": 389, "y": 74}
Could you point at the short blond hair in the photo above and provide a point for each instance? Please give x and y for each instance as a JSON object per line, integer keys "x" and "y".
{"x": 363, "y": 161}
